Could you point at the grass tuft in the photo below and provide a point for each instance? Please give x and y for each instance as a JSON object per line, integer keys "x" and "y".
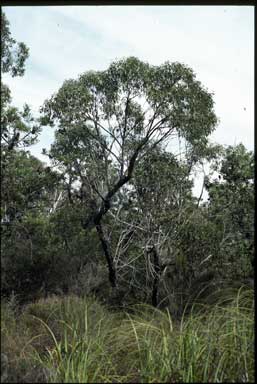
{"x": 75, "y": 340}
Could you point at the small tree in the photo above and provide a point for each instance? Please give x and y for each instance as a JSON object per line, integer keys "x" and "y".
{"x": 231, "y": 206}
{"x": 18, "y": 128}
{"x": 27, "y": 186}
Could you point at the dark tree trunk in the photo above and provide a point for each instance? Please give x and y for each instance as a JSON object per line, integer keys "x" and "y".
{"x": 156, "y": 265}
{"x": 107, "y": 253}
{"x": 155, "y": 292}
{"x": 94, "y": 220}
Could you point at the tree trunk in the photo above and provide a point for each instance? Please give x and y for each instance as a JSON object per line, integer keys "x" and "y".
{"x": 94, "y": 220}
{"x": 107, "y": 253}
{"x": 156, "y": 265}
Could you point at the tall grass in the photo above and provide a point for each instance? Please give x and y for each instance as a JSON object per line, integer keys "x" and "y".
{"x": 77, "y": 340}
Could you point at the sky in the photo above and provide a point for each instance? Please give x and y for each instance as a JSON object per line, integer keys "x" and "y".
{"x": 217, "y": 42}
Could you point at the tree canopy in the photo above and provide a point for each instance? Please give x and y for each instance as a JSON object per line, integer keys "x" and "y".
{"x": 108, "y": 121}
{"x": 117, "y": 191}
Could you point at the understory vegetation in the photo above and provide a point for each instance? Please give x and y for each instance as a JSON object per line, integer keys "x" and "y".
{"x": 112, "y": 269}
{"x": 78, "y": 340}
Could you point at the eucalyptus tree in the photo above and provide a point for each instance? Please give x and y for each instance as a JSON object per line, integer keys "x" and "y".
{"x": 120, "y": 115}
{"x": 13, "y": 54}
{"x": 27, "y": 186}
{"x": 148, "y": 230}
{"x": 231, "y": 208}
{"x": 156, "y": 205}
{"x": 18, "y": 128}
{"x": 28, "y": 198}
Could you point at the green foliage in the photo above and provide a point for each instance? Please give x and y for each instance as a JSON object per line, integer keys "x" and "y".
{"x": 13, "y": 54}
{"x": 238, "y": 165}
{"x": 162, "y": 186}
{"x": 26, "y": 184}
{"x": 170, "y": 91}
{"x": 108, "y": 116}
{"x": 74, "y": 340}
{"x": 18, "y": 128}
{"x": 27, "y": 190}
{"x": 114, "y": 122}
{"x": 231, "y": 207}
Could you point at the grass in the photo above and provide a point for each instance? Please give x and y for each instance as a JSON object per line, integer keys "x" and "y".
{"x": 74, "y": 340}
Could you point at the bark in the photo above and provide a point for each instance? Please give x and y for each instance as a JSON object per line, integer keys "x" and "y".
{"x": 96, "y": 218}
{"x": 154, "y": 257}
{"x": 107, "y": 253}
{"x": 156, "y": 264}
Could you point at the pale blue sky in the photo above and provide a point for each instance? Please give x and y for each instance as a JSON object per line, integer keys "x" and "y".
{"x": 217, "y": 42}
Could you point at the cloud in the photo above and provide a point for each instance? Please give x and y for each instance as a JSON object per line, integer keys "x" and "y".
{"x": 217, "y": 42}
